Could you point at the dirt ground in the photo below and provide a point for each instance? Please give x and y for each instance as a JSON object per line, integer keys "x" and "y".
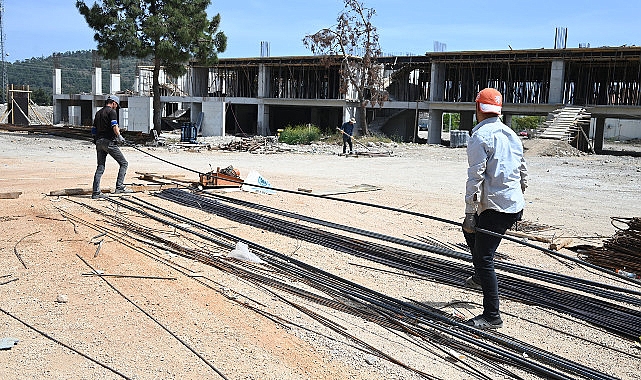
{"x": 175, "y": 321}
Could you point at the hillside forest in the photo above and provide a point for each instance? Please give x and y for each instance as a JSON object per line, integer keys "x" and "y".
{"x": 76, "y": 68}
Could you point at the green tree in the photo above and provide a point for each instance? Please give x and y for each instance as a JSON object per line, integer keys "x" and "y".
{"x": 354, "y": 35}
{"x": 520, "y": 123}
{"x": 451, "y": 119}
{"x": 41, "y": 97}
{"x": 171, "y": 32}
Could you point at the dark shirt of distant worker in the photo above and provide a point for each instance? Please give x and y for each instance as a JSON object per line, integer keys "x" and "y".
{"x": 348, "y": 128}
{"x": 104, "y": 122}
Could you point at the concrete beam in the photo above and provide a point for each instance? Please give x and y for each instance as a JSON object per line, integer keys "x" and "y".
{"x": 615, "y": 112}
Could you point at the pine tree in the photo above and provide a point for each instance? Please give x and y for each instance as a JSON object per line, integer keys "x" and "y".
{"x": 171, "y": 32}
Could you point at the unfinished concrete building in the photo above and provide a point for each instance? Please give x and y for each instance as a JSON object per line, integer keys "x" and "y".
{"x": 261, "y": 95}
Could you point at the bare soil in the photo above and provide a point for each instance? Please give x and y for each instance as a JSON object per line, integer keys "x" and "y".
{"x": 576, "y": 195}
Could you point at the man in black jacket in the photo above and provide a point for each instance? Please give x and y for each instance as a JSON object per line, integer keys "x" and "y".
{"x": 348, "y": 129}
{"x": 106, "y": 139}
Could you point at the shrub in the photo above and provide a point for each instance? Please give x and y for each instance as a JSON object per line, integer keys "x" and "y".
{"x": 300, "y": 134}
{"x": 520, "y": 123}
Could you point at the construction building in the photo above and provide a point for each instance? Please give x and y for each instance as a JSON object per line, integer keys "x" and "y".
{"x": 261, "y": 95}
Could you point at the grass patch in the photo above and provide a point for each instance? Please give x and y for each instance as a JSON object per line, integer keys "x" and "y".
{"x": 300, "y": 134}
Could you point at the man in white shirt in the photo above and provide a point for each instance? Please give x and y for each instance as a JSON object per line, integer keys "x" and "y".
{"x": 496, "y": 181}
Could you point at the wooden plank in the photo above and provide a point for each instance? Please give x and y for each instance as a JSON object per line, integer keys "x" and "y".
{"x": 528, "y": 236}
{"x": 154, "y": 176}
{"x": 153, "y": 187}
{"x": 77, "y": 191}
{"x": 10, "y": 195}
{"x": 561, "y": 243}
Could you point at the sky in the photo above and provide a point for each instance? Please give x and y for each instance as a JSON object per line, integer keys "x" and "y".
{"x": 38, "y": 28}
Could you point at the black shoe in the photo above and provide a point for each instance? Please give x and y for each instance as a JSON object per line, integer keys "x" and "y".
{"x": 473, "y": 282}
{"x": 482, "y": 323}
{"x": 98, "y": 196}
{"x": 124, "y": 190}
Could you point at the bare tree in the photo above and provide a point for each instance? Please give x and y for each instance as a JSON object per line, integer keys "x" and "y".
{"x": 354, "y": 40}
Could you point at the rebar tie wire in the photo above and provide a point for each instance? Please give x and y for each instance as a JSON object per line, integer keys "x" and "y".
{"x": 413, "y": 213}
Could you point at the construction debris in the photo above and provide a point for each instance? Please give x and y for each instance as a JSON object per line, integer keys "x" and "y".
{"x": 8, "y": 343}
{"x": 256, "y": 144}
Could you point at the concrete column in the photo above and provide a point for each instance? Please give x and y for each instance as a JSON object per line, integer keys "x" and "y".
{"x": 262, "y": 126}
{"x": 264, "y": 80}
{"x": 214, "y": 119}
{"x": 507, "y": 120}
{"x": 57, "y": 110}
{"x": 467, "y": 120}
{"x": 114, "y": 83}
{"x": 435, "y": 128}
{"x": 57, "y": 81}
{"x": 437, "y": 86}
{"x": 140, "y": 113}
{"x": 598, "y": 134}
{"x": 96, "y": 81}
{"x": 557, "y": 84}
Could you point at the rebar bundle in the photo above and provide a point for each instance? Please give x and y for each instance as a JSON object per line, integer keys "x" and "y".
{"x": 422, "y": 324}
{"x": 610, "y": 316}
{"x": 623, "y": 251}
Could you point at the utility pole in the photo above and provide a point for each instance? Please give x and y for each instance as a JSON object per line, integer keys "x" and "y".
{"x": 4, "y": 64}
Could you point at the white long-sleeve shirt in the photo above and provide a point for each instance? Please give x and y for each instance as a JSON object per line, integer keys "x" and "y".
{"x": 497, "y": 173}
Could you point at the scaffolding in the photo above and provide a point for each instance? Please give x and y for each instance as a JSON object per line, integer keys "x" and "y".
{"x": 21, "y": 110}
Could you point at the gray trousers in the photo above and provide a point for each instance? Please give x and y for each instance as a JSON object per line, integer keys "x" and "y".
{"x": 106, "y": 147}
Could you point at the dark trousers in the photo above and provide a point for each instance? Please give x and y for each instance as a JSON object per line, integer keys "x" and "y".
{"x": 483, "y": 248}
{"x": 106, "y": 147}
{"x": 347, "y": 140}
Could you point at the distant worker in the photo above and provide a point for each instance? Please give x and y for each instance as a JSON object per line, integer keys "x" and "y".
{"x": 106, "y": 138}
{"x": 496, "y": 181}
{"x": 347, "y": 130}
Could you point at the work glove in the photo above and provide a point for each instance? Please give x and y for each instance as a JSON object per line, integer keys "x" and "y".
{"x": 120, "y": 140}
{"x": 469, "y": 223}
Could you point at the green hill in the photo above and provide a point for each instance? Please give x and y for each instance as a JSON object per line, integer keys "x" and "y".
{"x": 76, "y": 67}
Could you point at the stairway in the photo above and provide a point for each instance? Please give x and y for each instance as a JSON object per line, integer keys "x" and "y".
{"x": 565, "y": 123}
{"x": 569, "y": 124}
